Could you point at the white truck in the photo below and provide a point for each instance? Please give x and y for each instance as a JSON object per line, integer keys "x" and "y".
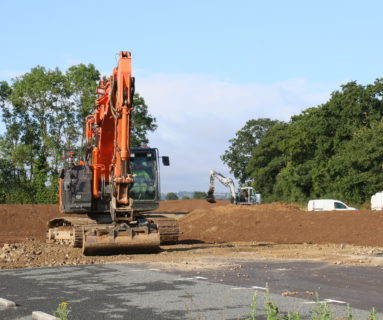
{"x": 327, "y": 205}
{"x": 377, "y": 201}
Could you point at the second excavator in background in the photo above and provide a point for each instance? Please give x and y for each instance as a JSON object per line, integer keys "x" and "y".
{"x": 244, "y": 195}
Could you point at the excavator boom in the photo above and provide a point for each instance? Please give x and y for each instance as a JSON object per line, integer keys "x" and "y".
{"x": 227, "y": 182}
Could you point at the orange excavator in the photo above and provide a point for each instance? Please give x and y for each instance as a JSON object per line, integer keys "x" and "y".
{"x": 115, "y": 185}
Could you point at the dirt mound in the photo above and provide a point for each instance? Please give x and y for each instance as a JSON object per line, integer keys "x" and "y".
{"x": 189, "y": 205}
{"x": 25, "y": 221}
{"x": 282, "y": 223}
{"x": 19, "y": 222}
{"x": 249, "y": 232}
{"x": 224, "y": 222}
{"x": 34, "y": 253}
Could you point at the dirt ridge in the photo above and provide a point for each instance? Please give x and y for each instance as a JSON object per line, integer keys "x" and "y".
{"x": 212, "y": 235}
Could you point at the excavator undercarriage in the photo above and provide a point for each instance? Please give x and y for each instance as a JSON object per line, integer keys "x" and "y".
{"x": 104, "y": 236}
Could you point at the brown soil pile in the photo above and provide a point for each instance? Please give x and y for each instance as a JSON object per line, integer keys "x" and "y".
{"x": 186, "y": 206}
{"x": 282, "y": 223}
{"x": 224, "y": 222}
{"x": 230, "y": 233}
{"x": 18, "y": 222}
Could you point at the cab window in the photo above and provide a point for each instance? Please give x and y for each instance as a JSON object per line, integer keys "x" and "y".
{"x": 144, "y": 185}
{"x": 339, "y": 205}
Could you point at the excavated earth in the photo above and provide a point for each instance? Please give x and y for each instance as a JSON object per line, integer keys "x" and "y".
{"x": 212, "y": 235}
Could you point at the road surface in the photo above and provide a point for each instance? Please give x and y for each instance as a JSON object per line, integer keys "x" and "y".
{"x": 126, "y": 291}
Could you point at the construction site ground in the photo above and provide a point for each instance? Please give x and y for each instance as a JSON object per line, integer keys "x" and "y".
{"x": 212, "y": 236}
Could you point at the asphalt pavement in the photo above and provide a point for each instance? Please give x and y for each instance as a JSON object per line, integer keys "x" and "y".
{"x": 126, "y": 291}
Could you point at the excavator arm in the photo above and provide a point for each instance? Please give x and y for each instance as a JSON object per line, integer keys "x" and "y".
{"x": 110, "y": 127}
{"x": 227, "y": 182}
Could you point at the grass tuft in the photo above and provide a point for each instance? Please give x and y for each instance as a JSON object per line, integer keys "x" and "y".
{"x": 63, "y": 311}
{"x": 320, "y": 312}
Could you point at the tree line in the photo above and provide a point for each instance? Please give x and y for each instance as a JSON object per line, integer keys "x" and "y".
{"x": 44, "y": 116}
{"x": 195, "y": 195}
{"x": 333, "y": 150}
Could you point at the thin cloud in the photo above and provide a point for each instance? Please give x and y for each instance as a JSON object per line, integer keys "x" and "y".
{"x": 7, "y": 75}
{"x": 198, "y": 114}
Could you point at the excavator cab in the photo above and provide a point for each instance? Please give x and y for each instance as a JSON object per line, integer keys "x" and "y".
{"x": 145, "y": 185}
{"x": 247, "y": 195}
{"x": 76, "y": 184}
{"x": 145, "y": 168}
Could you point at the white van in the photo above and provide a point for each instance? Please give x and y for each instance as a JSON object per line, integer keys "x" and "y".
{"x": 327, "y": 205}
{"x": 377, "y": 201}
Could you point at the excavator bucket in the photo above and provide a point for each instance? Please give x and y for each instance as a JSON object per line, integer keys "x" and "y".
{"x": 120, "y": 238}
{"x": 210, "y": 195}
{"x": 211, "y": 199}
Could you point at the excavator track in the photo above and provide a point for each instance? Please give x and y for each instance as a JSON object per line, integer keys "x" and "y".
{"x": 68, "y": 230}
{"x": 73, "y": 230}
{"x": 168, "y": 228}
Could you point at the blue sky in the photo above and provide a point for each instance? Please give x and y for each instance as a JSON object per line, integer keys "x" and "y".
{"x": 204, "y": 67}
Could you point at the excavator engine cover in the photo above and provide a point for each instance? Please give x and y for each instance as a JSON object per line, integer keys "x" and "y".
{"x": 76, "y": 189}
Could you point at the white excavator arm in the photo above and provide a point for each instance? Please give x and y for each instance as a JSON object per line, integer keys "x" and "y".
{"x": 227, "y": 182}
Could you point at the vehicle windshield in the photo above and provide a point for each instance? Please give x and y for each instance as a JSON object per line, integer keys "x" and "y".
{"x": 143, "y": 171}
{"x": 339, "y": 205}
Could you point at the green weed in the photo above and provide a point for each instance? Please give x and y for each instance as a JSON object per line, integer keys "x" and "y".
{"x": 63, "y": 311}
{"x": 320, "y": 312}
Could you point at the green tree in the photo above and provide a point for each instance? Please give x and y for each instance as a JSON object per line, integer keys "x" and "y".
{"x": 44, "y": 114}
{"x": 357, "y": 168}
{"x": 331, "y": 150}
{"x": 5, "y": 91}
{"x": 240, "y": 150}
{"x": 13, "y": 186}
{"x": 319, "y": 134}
{"x": 199, "y": 195}
{"x": 142, "y": 122}
{"x": 267, "y": 160}
{"x": 83, "y": 80}
{"x": 171, "y": 196}
{"x": 37, "y": 118}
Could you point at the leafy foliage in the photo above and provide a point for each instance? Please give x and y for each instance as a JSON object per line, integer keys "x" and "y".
{"x": 171, "y": 196}
{"x": 332, "y": 150}
{"x": 13, "y": 184}
{"x": 142, "y": 122}
{"x": 199, "y": 195}
{"x": 44, "y": 114}
{"x": 239, "y": 153}
{"x": 83, "y": 81}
